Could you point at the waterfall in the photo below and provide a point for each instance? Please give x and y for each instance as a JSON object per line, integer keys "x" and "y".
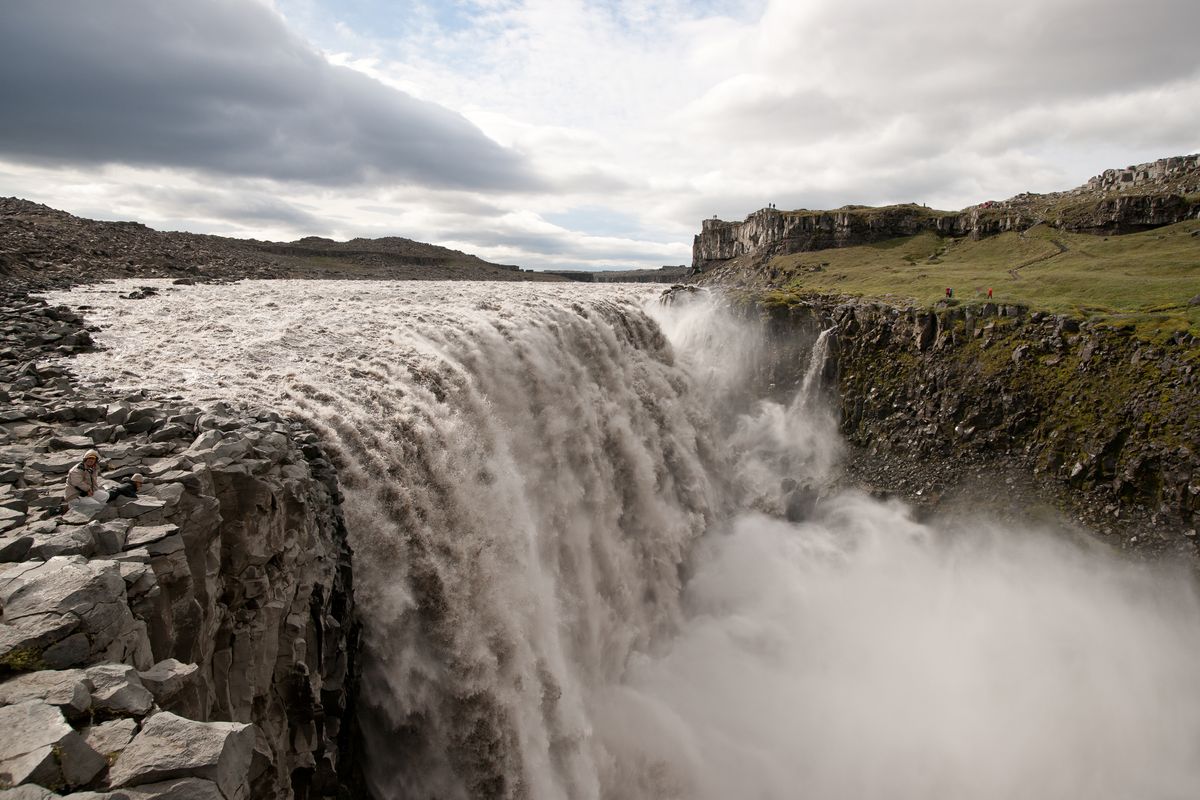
{"x": 575, "y": 581}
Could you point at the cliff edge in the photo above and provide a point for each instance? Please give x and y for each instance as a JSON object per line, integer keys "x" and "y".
{"x": 197, "y": 640}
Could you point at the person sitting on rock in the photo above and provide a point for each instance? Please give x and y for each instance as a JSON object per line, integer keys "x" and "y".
{"x": 83, "y": 492}
{"x": 127, "y": 488}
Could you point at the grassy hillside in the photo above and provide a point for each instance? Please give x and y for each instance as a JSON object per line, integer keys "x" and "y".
{"x": 1145, "y": 280}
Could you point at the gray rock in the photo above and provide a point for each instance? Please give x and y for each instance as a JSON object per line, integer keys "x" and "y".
{"x": 64, "y": 541}
{"x": 117, "y": 414}
{"x": 167, "y": 678}
{"x": 139, "y": 426}
{"x": 28, "y": 791}
{"x": 110, "y": 738}
{"x": 110, "y": 537}
{"x": 180, "y": 789}
{"x": 118, "y": 688}
{"x": 55, "y": 464}
{"x": 68, "y": 689}
{"x": 169, "y": 432}
{"x": 15, "y": 548}
{"x": 138, "y": 506}
{"x": 174, "y": 747}
{"x": 142, "y": 535}
{"x": 23, "y": 645}
{"x": 205, "y": 441}
{"x": 70, "y": 442}
{"x": 40, "y": 747}
{"x": 89, "y": 594}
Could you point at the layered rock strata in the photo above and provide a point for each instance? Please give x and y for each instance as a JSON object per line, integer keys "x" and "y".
{"x": 1118, "y": 201}
{"x": 194, "y": 641}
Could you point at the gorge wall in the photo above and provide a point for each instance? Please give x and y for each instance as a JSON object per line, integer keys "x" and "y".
{"x": 1099, "y": 424}
{"x": 197, "y": 640}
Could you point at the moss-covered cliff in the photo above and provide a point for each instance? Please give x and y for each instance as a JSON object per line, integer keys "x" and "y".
{"x": 1102, "y": 424}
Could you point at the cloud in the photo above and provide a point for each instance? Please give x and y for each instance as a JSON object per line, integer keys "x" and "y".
{"x": 222, "y": 86}
{"x": 567, "y": 133}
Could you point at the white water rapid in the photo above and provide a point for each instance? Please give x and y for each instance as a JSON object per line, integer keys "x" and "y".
{"x": 575, "y": 580}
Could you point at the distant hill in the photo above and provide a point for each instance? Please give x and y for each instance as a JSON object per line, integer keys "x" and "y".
{"x": 675, "y": 273}
{"x": 41, "y": 246}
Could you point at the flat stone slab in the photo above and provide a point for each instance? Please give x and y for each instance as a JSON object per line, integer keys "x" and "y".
{"x": 173, "y": 747}
{"x": 142, "y": 535}
{"x": 67, "y": 689}
{"x": 139, "y": 505}
{"x": 54, "y": 464}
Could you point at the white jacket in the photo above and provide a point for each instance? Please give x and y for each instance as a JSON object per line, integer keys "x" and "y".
{"x": 81, "y": 482}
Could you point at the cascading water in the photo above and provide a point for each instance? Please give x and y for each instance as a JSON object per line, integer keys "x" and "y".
{"x": 566, "y": 589}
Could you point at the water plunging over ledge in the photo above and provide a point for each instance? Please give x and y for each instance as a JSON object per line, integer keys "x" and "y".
{"x": 569, "y": 586}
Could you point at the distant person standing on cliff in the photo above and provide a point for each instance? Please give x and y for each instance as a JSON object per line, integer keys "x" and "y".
{"x": 989, "y": 293}
{"x": 83, "y": 492}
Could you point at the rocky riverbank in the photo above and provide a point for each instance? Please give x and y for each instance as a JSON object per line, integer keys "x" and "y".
{"x": 990, "y": 406}
{"x": 194, "y": 641}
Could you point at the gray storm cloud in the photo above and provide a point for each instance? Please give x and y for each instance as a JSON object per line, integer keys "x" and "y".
{"x": 223, "y": 86}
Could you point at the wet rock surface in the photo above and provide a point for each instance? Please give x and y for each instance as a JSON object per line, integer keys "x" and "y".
{"x": 1028, "y": 415}
{"x": 150, "y": 647}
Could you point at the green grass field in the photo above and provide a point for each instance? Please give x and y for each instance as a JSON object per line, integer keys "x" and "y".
{"x": 1144, "y": 280}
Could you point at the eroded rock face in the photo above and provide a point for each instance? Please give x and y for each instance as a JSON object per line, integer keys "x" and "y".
{"x": 1100, "y": 423}
{"x": 1118, "y": 201}
{"x": 215, "y": 607}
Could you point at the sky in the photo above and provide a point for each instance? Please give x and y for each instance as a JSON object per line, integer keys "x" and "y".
{"x": 561, "y": 134}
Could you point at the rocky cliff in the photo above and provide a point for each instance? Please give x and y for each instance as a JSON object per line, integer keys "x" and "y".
{"x": 1119, "y": 201}
{"x": 197, "y": 640}
{"x": 1016, "y": 406}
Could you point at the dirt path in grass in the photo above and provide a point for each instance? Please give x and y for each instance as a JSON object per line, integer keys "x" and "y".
{"x": 1062, "y": 248}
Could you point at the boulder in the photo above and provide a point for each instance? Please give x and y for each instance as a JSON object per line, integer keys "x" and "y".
{"x": 110, "y": 537}
{"x": 15, "y": 547}
{"x": 68, "y": 592}
{"x": 167, "y": 678}
{"x": 54, "y": 464}
{"x": 110, "y": 738}
{"x": 67, "y": 689}
{"x": 173, "y": 747}
{"x": 66, "y": 540}
{"x": 40, "y": 747}
{"x": 118, "y": 688}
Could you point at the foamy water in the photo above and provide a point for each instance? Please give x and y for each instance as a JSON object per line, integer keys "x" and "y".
{"x": 566, "y": 589}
